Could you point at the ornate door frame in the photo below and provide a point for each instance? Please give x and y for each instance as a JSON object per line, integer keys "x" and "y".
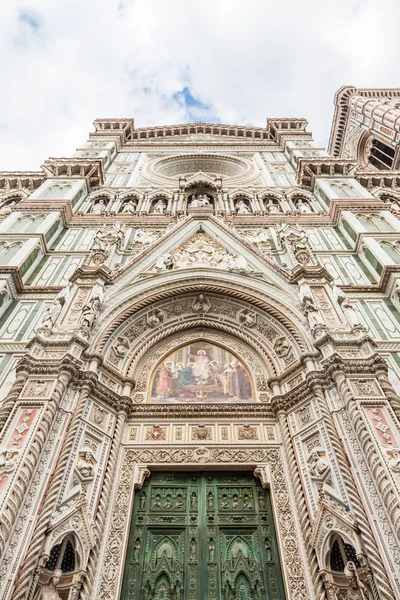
{"x": 267, "y": 463}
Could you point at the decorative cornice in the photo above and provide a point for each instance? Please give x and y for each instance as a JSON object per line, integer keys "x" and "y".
{"x": 14, "y": 181}
{"x": 90, "y": 169}
{"x": 378, "y": 179}
{"x": 308, "y": 169}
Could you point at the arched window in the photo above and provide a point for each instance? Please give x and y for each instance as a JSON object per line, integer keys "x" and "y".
{"x": 8, "y": 252}
{"x": 344, "y": 190}
{"x": 20, "y": 225}
{"x": 27, "y": 224}
{"x": 391, "y": 251}
{"x": 381, "y": 155}
{"x": 58, "y": 190}
{"x": 374, "y": 223}
{"x": 62, "y": 556}
{"x": 340, "y": 554}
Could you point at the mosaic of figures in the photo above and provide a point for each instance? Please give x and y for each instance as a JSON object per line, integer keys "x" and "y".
{"x": 201, "y": 372}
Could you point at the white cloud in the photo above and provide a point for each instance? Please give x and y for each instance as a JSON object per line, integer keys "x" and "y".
{"x": 64, "y": 63}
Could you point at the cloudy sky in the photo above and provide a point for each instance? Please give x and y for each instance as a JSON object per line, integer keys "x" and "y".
{"x": 64, "y": 63}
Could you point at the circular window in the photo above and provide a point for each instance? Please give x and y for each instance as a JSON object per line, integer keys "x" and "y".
{"x": 210, "y": 164}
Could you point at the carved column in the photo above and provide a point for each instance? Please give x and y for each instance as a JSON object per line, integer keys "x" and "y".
{"x": 24, "y": 589}
{"x": 131, "y": 477}
{"x": 28, "y": 467}
{"x": 305, "y": 522}
{"x": 103, "y": 505}
{"x": 381, "y": 584}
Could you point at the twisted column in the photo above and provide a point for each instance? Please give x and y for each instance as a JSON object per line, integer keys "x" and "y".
{"x": 24, "y": 589}
{"x": 302, "y": 511}
{"x": 88, "y": 579}
{"x": 11, "y": 398}
{"x": 27, "y": 469}
{"x": 380, "y": 582}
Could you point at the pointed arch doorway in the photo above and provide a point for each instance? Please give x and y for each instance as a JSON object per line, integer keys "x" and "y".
{"x": 197, "y": 536}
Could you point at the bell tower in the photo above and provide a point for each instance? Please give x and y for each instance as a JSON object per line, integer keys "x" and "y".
{"x": 366, "y": 127}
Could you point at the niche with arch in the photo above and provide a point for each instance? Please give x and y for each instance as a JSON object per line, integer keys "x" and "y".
{"x": 63, "y": 562}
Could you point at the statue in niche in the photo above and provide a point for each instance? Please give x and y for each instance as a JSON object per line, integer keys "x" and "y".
{"x": 193, "y": 501}
{"x": 261, "y": 501}
{"x": 303, "y": 206}
{"x": 356, "y": 590}
{"x": 49, "y": 591}
{"x": 159, "y": 207}
{"x": 318, "y": 464}
{"x": 85, "y": 464}
{"x": 143, "y": 501}
{"x": 272, "y": 207}
{"x": 268, "y": 550}
{"x": 166, "y": 262}
{"x": 136, "y": 550}
{"x": 210, "y": 501}
{"x": 192, "y": 550}
{"x": 129, "y": 207}
{"x": 199, "y": 201}
{"x": 99, "y": 207}
{"x": 241, "y": 207}
{"x": 211, "y": 550}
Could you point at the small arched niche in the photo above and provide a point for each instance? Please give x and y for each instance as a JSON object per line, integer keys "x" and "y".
{"x": 201, "y": 372}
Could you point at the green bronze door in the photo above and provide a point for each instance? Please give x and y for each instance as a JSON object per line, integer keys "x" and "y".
{"x": 202, "y": 536}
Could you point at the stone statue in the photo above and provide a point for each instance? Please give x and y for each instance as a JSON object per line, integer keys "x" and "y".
{"x": 351, "y": 314}
{"x": 49, "y": 591}
{"x": 121, "y": 346}
{"x": 303, "y": 206}
{"x": 166, "y": 262}
{"x": 394, "y": 459}
{"x": 272, "y": 207}
{"x": 99, "y": 207}
{"x": 145, "y": 236}
{"x": 199, "y": 201}
{"x": 129, "y": 207}
{"x": 85, "y": 465}
{"x": 50, "y": 315}
{"x": 308, "y": 306}
{"x": 318, "y": 465}
{"x": 155, "y": 318}
{"x": 211, "y": 550}
{"x": 201, "y": 305}
{"x": 90, "y": 312}
{"x": 6, "y": 208}
{"x": 8, "y": 460}
{"x": 241, "y": 207}
{"x": 159, "y": 207}
{"x": 356, "y": 590}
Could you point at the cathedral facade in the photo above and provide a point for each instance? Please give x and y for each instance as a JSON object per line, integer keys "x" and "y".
{"x": 200, "y": 363}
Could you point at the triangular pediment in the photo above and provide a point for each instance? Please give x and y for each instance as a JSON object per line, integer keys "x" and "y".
{"x": 198, "y": 178}
{"x": 203, "y": 243}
